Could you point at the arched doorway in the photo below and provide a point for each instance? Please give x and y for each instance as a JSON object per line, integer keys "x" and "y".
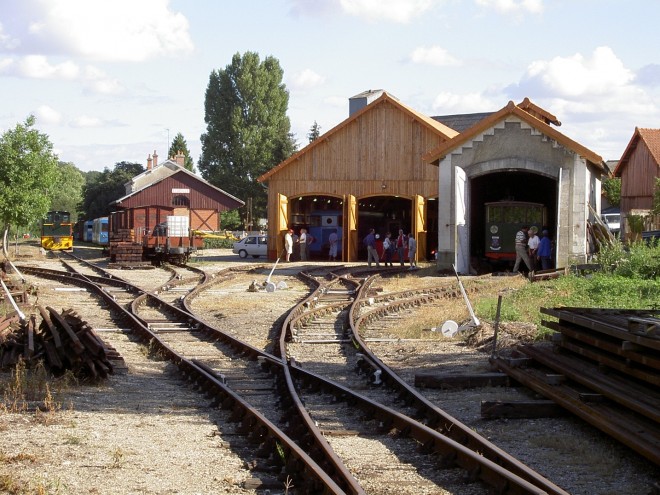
{"x": 516, "y": 186}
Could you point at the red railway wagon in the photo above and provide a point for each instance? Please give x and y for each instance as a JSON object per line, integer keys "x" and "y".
{"x": 159, "y": 231}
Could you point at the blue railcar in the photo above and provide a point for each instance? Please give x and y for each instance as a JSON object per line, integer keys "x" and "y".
{"x": 88, "y": 229}
{"x": 100, "y": 231}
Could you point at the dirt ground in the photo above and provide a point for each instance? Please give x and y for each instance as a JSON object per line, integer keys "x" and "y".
{"x": 146, "y": 432}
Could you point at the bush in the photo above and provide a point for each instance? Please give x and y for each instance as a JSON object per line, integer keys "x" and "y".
{"x": 640, "y": 260}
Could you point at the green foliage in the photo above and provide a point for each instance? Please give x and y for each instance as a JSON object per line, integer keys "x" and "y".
{"x": 656, "y": 197}
{"x": 314, "y": 132}
{"x": 247, "y": 129}
{"x": 29, "y": 175}
{"x": 100, "y": 190}
{"x": 612, "y": 190}
{"x": 230, "y": 220}
{"x": 636, "y": 223}
{"x": 639, "y": 260}
{"x": 69, "y": 190}
{"x": 630, "y": 279}
{"x": 218, "y": 243}
{"x": 179, "y": 145}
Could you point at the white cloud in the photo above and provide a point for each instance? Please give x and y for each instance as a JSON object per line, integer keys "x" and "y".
{"x": 306, "y": 79}
{"x": 38, "y": 67}
{"x": 86, "y": 121}
{"x": 7, "y": 41}
{"x": 432, "y": 55}
{"x": 47, "y": 115}
{"x": 580, "y": 76}
{"x": 402, "y": 11}
{"x": 96, "y": 81}
{"x": 585, "y": 85}
{"x": 513, "y": 6}
{"x": 449, "y": 103}
{"x": 121, "y": 30}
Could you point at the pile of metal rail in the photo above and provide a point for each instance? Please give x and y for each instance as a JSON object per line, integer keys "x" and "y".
{"x": 602, "y": 365}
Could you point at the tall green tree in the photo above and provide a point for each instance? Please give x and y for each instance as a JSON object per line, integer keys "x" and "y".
{"x": 29, "y": 175}
{"x": 612, "y": 190}
{"x": 106, "y": 187}
{"x": 314, "y": 132}
{"x": 179, "y": 145}
{"x": 247, "y": 129}
{"x": 69, "y": 190}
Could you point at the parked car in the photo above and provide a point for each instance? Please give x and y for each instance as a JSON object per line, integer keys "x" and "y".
{"x": 254, "y": 245}
{"x": 613, "y": 221}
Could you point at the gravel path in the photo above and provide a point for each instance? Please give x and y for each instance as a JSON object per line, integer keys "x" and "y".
{"x": 146, "y": 432}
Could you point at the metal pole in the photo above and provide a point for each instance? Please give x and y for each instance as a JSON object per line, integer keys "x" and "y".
{"x": 497, "y": 324}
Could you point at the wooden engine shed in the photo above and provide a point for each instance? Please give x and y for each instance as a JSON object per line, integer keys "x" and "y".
{"x": 167, "y": 194}
{"x": 367, "y": 172}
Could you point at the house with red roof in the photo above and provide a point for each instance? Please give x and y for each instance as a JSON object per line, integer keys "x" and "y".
{"x": 638, "y": 169}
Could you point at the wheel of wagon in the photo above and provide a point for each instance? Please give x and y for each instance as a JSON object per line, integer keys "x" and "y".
{"x": 242, "y": 253}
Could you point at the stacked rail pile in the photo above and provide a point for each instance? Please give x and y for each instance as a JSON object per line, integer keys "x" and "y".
{"x": 603, "y": 365}
{"x": 123, "y": 248}
{"x": 63, "y": 341}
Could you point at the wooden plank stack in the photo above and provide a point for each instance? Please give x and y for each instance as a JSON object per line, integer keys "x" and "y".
{"x": 63, "y": 341}
{"x": 123, "y": 248}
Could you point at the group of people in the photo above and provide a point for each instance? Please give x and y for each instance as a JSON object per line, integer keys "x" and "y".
{"x": 303, "y": 241}
{"x": 534, "y": 252}
{"x": 391, "y": 246}
{"x": 377, "y": 250}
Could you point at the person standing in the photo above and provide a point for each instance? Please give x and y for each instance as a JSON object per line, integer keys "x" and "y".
{"x": 288, "y": 244}
{"x": 401, "y": 242}
{"x": 533, "y": 246}
{"x": 303, "y": 244}
{"x": 333, "y": 240}
{"x": 372, "y": 252}
{"x": 412, "y": 251}
{"x": 521, "y": 248}
{"x": 544, "y": 254}
{"x": 388, "y": 249}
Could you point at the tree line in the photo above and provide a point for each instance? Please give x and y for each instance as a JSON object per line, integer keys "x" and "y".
{"x": 247, "y": 133}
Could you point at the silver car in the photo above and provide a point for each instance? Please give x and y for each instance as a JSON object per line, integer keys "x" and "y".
{"x": 254, "y": 245}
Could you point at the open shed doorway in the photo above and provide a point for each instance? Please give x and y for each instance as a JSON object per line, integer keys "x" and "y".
{"x": 384, "y": 214}
{"x": 506, "y": 186}
{"x": 320, "y": 215}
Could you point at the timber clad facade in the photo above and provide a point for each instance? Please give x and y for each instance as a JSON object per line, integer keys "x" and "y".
{"x": 377, "y": 152}
{"x": 168, "y": 189}
{"x": 638, "y": 168}
{"x": 389, "y": 167}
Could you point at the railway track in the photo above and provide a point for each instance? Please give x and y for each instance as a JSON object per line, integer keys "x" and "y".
{"x": 252, "y": 390}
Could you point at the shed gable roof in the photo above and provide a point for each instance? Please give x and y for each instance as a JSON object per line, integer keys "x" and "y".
{"x": 538, "y": 119}
{"x": 650, "y": 138}
{"x": 437, "y": 127}
{"x": 162, "y": 172}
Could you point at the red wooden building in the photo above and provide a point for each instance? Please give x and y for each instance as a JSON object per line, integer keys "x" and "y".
{"x": 638, "y": 168}
{"x": 164, "y": 205}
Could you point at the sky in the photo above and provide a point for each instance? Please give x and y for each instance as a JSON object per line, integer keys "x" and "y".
{"x": 115, "y": 81}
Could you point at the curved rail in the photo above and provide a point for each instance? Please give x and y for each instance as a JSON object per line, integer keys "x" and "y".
{"x": 434, "y": 417}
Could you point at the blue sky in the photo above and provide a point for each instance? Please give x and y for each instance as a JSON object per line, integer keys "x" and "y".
{"x": 112, "y": 81}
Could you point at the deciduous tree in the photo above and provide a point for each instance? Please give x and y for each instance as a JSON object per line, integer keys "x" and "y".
{"x": 106, "y": 188}
{"x": 29, "y": 175}
{"x": 247, "y": 129}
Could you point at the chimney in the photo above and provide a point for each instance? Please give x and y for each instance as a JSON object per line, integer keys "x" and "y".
{"x": 155, "y": 159}
{"x": 359, "y": 101}
{"x": 149, "y": 162}
{"x": 180, "y": 159}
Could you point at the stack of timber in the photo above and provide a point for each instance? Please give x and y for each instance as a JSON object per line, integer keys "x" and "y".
{"x": 123, "y": 248}
{"x": 17, "y": 293}
{"x": 62, "y": 341}
{"x": 602, "y": 365}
